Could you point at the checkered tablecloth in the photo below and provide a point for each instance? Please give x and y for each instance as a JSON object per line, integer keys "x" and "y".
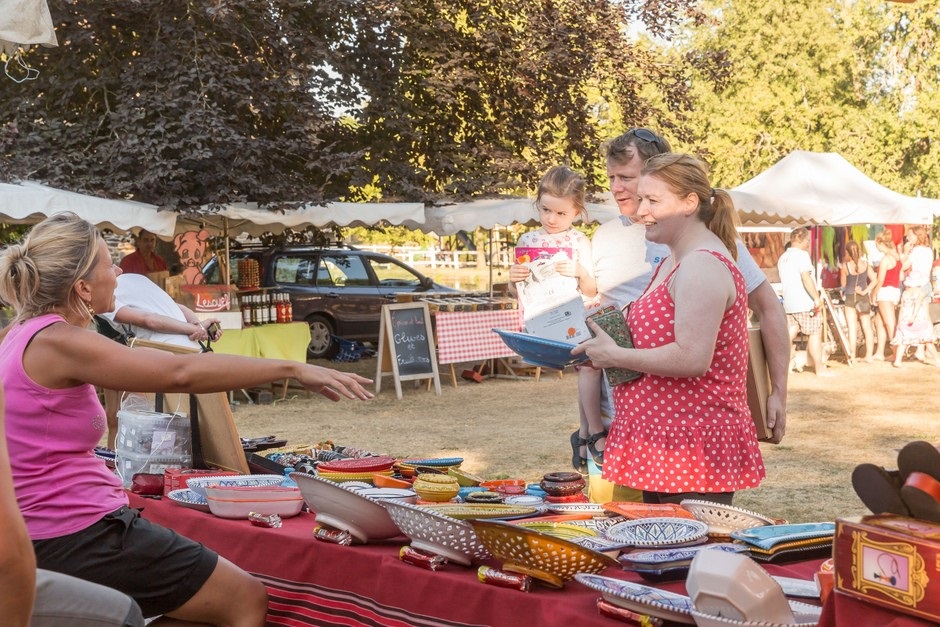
{"x": 468, "y": 336}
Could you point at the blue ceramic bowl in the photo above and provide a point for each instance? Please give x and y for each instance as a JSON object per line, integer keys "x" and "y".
{"x": 539, "y": 351}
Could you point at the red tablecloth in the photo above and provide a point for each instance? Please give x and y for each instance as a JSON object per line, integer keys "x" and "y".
{"x": 316, "y": 583}
{"x": 468, "y": 336}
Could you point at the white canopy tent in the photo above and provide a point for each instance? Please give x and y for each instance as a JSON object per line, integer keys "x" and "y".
{"x": 823, "y": 188}
{"x": 28, "y": 203}
{"x": 492, "y": 212}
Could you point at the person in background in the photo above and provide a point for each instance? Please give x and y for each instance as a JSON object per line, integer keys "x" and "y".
{"x": 75, "y": 509}
{"x": 683, "y": 429}
{"x": 40, "y": 598}
{"x": 801, "y": 300}
{"x": 560, "y": 201}
{"x": 144, "y": 260}
{"x": 886, "y": 293}
{"x": 624, "y": 260}
{"x": 152, "y": 315}
{"x": 916, "y": 268}
{"x": 857, "y": 279}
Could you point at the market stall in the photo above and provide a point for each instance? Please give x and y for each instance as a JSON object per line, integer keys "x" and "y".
{"x": 317, "y": 583}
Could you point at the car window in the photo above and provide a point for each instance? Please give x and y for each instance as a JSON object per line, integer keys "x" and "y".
{"x": 342, "y": 271}
{"x": 291, "y": 269}
{"x": 392, "y": 273}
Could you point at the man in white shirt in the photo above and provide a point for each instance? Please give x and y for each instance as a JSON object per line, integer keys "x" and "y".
{"x": 801, "y": 300}
{"x": 624, "y": 261}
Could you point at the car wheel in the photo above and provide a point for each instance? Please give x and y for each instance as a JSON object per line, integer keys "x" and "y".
{"x": 322, "y": 345}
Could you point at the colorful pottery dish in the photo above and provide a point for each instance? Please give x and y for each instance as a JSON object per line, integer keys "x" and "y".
{"x": 389, "y": 494}
{"x": 731, "y": 585}
{"x": 496, "y": 483}
{"x": 669, "y": 556}
{"x": 362, "y": 464}
{"x": 792, "y": 587}
{"x": 339, "y": 477}
{"x": 436, "y": 533}
{"x": 238, "y": 501}
{"x": 472, "y": 511}
{"x": 769, "y": 536}
{"x": 552, "y": 561}
{"x": 540, "y": 351}
{"x": 642, "y": 599}
{"x": 483, "y": 497}
{"x": 189, "y": 498}
{"x": 198, "y": 484}
{"x": 439, "y": 462}
{"x": 464, "y": 478}
{"x": 804, "y": 615}
{"x": 385, "y": 481}
{"x": 724, "y": 519}
{"x": 364, "y": 518}
{"x": 576, "y": 508}
{"x": 658, "y": 532}
{"x": 562, "y": 483}
{"x": 564, "y": 531}
{"x": 525, "y": 500}
{"x": 647, "y": 510}
{"x": 436, "y": 488}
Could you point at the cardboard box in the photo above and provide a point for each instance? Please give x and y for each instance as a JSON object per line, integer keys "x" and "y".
{"x": 175, "y": 478}
{"x": 890, "y": 561}
{"x": 758, "y": 383}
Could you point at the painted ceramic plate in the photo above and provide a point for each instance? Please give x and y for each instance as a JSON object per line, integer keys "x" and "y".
{"x": 658, "y": 532}
{"x": 560, "y": 530}
{"x": 342, "y": 477}
{"x": 640, "y": 598}
{"x": 437, "y": 462}
{"x": 723, "y": 519}
{"x": 647, "y": 510}
{"x": 576, "y": 508}
{"x": 792, "y": 587}
{"x": 539, "y": 351}
{"x": 665, "y": 556}
{"x": 471, "y": 511}
{"x": 769, "y": 536}
{"x": 190, "y": 499}
{"x": 363, "y": 464}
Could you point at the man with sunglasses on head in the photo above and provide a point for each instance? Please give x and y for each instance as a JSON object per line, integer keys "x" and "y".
{"x": 624, "y": 262}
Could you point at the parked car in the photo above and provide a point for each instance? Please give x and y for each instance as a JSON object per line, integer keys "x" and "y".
{"x": 338, "y": 291}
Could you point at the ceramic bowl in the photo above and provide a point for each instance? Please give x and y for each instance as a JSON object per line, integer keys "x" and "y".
{"x": 239, "y": 501}
{"x": 390, "y": 494}
{"x": 565, "y": 487}
{"x": 436, "y": 488}
{"x": 198, "y": 484}
{"x": 539, "y": 351}
{"x": 722, "y": 520}
{"x": 383, "y": 481}
{"x": 364, "y": 518}
{"x": 733, "y": 586}
{"x": 437, "y": 533}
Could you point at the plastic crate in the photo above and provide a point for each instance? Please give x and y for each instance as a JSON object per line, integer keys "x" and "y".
{"x": 129, "y": 464}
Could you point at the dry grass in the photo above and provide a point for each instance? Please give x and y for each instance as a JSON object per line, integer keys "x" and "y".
{"x": 520, "y": 428}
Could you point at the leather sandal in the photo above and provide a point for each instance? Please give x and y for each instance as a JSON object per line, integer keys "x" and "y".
{"x": 579, "y": 463}
{"x": 596, "y": 454}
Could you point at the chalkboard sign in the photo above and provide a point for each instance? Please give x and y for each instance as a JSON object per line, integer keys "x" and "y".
{"x": 406, "y": 346}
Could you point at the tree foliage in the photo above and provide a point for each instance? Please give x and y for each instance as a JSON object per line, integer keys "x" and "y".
{"x": 186, "y": 103}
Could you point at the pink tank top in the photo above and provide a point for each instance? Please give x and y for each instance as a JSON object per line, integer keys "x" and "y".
{"x": 61, "y": 487}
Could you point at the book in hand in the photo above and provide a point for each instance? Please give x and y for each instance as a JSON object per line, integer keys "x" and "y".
{"x": 551, "y": 303}
{"x": 614, "y": 324}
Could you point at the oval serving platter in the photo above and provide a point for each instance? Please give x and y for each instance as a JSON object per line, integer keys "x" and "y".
{"x": 658, "y": 532}
{"x": 664, "y": 556}
{"x": 768, "y": 536}
{"x": 640, "y": 598}
{"x": 576, "y": 508}
{"x": 472, "y": 511}
{"x": 188, "y": 498}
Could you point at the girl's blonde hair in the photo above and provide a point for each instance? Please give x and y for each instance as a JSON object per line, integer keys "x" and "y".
{"x": 563, "y": 182}
{"x": 684, "y": 174}
{"x": 37, "y": 275}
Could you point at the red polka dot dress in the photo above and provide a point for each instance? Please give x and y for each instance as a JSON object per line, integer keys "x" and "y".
{"x": 686, "y": 434}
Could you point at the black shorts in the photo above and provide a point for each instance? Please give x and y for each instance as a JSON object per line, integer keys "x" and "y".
{"x": 156, "y": 566}
{"x": 861, "y": 304}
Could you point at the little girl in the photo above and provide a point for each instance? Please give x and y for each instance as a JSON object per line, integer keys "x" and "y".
{"x": 560, "y": 201}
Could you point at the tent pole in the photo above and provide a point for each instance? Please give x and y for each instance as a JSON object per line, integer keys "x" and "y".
{"x": 491, "y": 262}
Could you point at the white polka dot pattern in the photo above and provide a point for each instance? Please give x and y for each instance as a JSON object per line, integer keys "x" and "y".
{"x": 686, "y": 434}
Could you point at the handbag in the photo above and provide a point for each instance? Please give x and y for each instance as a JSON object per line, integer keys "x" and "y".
{"x": 614, "y": 324}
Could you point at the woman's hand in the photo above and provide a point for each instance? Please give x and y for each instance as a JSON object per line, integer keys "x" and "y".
{"x": 519, "y": 272}
{"x": 334, "y": 384}
{"x": 601, "y": 350}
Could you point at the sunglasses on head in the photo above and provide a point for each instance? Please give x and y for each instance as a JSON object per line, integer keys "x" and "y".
{"x": 648, "y": 136}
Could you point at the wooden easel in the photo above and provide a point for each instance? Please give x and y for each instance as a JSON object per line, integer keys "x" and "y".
{"x": 221, "y": 446}
{"x": 406, "y": 347}
{"x": 836, "y": 321}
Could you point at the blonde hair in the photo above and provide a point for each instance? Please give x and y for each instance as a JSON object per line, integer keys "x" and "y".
{"x": 684, "y": 174}
{"x": 563, "y": 182}
{"x": 37, "y": 275}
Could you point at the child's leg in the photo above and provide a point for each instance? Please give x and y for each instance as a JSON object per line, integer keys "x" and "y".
{"x": 589, "y": 395}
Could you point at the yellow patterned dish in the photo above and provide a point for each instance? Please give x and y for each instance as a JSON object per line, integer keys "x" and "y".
{"x": 551, "y": 560}
{"x": 464, "y": 478}
{"x": 351, "y": 476}
{"x": 471, "y": 511}
{"x": 565, "y": 531}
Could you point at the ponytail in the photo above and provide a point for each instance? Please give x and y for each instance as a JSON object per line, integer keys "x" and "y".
{"x": 724, "y": 221}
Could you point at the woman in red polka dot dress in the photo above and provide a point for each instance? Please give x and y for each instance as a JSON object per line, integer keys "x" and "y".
{"x": 683, "y": 429}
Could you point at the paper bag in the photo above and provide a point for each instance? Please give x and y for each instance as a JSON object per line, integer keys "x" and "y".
{"x": 758, "y": 383}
